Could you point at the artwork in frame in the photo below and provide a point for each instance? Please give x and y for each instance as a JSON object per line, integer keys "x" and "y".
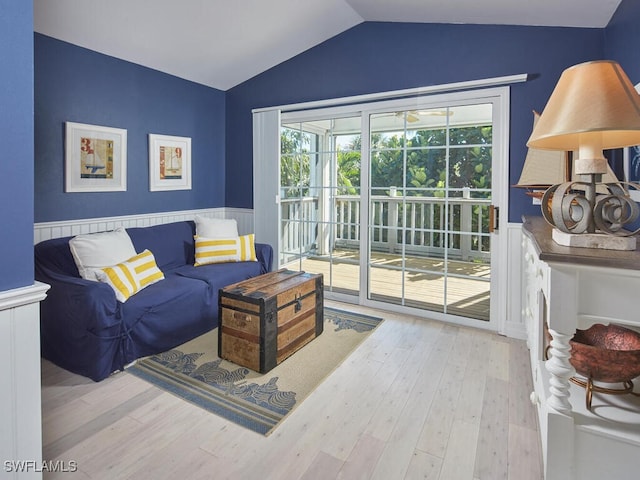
{"x": 632, "y": 169}
{"x": 631, "y": 161}
{"x": 632, "y": 164}
{"x": 95, "y": 158}
{"x": 169, "y": 163}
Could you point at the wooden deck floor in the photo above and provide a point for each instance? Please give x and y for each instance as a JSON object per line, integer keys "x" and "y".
{"x": 422, "y": 286}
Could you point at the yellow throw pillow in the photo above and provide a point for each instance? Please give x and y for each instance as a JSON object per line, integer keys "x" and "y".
{"x": 219, "y": 250}
{"x": 128, "y": 278}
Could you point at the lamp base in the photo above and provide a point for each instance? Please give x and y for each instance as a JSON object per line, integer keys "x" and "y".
{"x": 593, "y": 240}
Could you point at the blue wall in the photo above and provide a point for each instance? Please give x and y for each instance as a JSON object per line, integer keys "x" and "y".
{"x": 622, "y": 39}
{"x": 374, "y": 57}
{"x": 16, "y": 138}
{"x": 75, "y": 84}
{"x": 79, "y": 85}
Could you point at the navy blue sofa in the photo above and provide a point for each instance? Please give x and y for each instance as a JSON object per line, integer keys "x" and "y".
{"x": 85, "y": 330}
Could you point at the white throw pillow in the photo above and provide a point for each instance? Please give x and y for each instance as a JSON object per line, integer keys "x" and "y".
{"x": 216, "y": 227}
{"x": 94, "y": 251}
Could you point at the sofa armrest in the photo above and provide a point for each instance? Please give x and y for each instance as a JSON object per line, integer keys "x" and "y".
{"x": 264, "y": 254}
{"x": 80, "y": 325}
{"x": 78, "y": 303}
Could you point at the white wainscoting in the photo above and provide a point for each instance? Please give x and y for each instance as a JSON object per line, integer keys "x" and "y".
{"x": 66, "y": 228}
{"x": 244, "y": 217}
{"x": 514, "y": 326}
{"x": 20, "y": 409}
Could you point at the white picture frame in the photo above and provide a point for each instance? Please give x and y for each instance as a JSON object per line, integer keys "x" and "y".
{"x": 169, "y": 163}
{"x": 95, "y": 158}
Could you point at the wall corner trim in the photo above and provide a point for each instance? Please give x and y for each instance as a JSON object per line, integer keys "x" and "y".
{"x": 21, "y": 296}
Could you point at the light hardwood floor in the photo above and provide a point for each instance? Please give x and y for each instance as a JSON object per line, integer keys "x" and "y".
{"x": 417, "y": 400}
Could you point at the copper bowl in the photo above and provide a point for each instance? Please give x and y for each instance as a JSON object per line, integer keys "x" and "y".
{"x": 606, "y": 353}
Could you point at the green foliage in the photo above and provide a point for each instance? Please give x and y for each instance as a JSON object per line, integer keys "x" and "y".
{"x": 349, "y": 172}
{"x": 417, "y": 165}
{"x": 418, "y": 177}
{"x": 295, "y": 161}
{"x": 422, "y": 163}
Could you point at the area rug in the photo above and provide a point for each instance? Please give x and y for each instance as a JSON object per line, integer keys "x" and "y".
{"x": 193, "y": 371}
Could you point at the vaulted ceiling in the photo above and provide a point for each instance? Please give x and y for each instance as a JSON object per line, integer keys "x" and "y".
{"x": 221, "y": 43}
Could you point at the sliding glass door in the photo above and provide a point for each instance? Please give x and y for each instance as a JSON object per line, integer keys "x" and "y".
{"x": 429, "y": 202}
{"x": 393, "y": 202}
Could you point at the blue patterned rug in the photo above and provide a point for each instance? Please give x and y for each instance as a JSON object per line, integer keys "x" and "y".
{"x": 257, "y": 401}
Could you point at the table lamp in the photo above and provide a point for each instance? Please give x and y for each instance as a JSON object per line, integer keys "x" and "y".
{"x": 593, "y": 107}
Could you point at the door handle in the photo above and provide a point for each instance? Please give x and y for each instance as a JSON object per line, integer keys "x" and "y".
{"x": 494, "y": 218}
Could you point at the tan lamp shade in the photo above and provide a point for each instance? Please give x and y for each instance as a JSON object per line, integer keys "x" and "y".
{"x": 592, "y": 103}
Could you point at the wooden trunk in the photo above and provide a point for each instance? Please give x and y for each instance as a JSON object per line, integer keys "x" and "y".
{"x": 266, "y": 319}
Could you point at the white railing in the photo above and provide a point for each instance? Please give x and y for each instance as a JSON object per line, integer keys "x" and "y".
{"x": 423, "y": 225}
{"x": 298, "y": 225}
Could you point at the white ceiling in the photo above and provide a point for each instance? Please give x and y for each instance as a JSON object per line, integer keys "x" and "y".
{"x": 221, "y": 43}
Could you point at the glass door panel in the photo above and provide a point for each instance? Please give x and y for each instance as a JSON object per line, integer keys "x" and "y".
{"x": 430, "y": 189}
{"x": 320, "y": 200}
{"x": 298, "y": 152}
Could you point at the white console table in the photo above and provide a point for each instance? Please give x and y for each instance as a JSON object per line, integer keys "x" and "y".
{"x": 570, "y": 288}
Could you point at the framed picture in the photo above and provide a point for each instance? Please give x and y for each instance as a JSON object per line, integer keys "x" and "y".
{"x": 95, "y": 158}
{"x": 631, "y": 162}
{"x": 632, "y": 169}
{"x": 169, "y": 163}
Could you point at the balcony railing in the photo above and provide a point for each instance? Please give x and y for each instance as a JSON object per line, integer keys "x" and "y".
{"x": 425, "y": 226}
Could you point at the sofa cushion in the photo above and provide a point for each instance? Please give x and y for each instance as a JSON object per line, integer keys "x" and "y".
{"x": 219, "y": 250}
{"x": 167, "y": 314}
{"x": 220, "y": 275}
{"x": 171, "y": 243}
{"x": 94, "y": 251}
{"x": 128, "y": 278}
